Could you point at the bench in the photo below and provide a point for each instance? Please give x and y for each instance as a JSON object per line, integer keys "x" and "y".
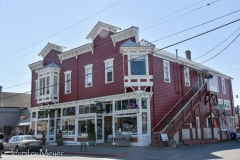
{"x": 123, "y": 140}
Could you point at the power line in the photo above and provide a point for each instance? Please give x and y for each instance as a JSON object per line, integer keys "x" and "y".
{"x": 65, "y": 28}
{"x": 217, "y": 45}
{"x": 222, "y": 50}
{"x": 157, "y": 39}
{"x": 137, "y": 57}
{"x": 153, "y": 26}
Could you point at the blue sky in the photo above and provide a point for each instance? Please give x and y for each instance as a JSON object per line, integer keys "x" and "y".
{"x": 24, "y": 23}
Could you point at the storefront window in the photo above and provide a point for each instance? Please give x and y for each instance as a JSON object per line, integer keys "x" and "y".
{"x": 51, "y": 127}
{"x": 144, "y": 123}
{"x": 70, "y": 111}
{"x": 33, "y": 126}
{"x": 68, "y": 126}
{"x": 42, "y": 114}
{"x": 52, "y": 113}
{"x": 41, "y": 126}
{"x": 33, "y": 114}
{"x": 126, "y": 125}
{"x": 108, "y": 108}
{"x": 82, "y": 127}
{"x": 126, "y": 104}
{"x": 59, "y": 112}
{"x": 144, "y": 103}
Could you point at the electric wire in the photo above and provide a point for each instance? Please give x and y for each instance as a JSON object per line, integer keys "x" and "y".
{"x": 82, "y": 76}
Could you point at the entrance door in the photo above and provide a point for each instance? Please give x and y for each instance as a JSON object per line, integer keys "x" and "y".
{"x": 107, "y": 127}
{"x": 100, "y": 129}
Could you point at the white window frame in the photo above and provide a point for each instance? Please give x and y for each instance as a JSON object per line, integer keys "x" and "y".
{"x": 223, "y": 85}
{"x": 66, "y": 90}
{"x": 220, "y": 101}
{"x": 146, "y": 63}
{"x": 110, "y": 60}
{"x": 187, "y": 78}
{"x": 88, "y": 75}
{"x": 41, "y": 86}
{"x": 227, "y": 105}
{"x": 197, "y": 122}
{"x": 168, "y": 66}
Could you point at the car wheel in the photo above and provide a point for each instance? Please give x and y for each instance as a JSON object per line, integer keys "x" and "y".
{"x": 17, "y": 149}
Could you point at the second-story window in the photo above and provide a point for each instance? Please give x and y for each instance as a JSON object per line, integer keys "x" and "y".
{"x": 47, "y": 84}
{"x": 41, "y": 87}
{"x": 138, "y": 65}
{"x": 213, "y": 82}
{"x": 186, "y": 76}
{"x": 36, "y": 91}
{"x": 109, "y": 70}
{"x": 88, "y": 75}
{"x": 227, "y": 104}
{"x": 223, "y": 85}
{"x": 67, "y": 82}
{"x": 166, "y": 71}
{"x": 55, "y": 85}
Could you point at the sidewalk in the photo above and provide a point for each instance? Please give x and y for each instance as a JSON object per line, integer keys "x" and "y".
{"x": 202, "y": 151}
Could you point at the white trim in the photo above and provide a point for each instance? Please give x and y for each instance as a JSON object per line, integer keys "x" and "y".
{"x": 126, "y": 34}
{"x": 70, "y": 82}
{"x": 36, "y": 65}
{"x": 89, "y": 66}
{"x": 213, "y": 83}
{"x": 169, "y": 72}
{"x": 223, "y": 85}
{"x": 186, "y": 77}
{"x": 220, "y": 101}
{"x": 138, "y": 55}
{"x": 110, "y": 60}
{"x": 227, "y": 105}
{"x": 49, "y": 47}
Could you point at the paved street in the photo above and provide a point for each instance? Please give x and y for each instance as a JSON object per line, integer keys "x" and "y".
{"x": 225, "y": 150}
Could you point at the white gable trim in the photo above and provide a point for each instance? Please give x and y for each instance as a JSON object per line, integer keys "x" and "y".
{"x": 49, "y": 47}
{"x": 99, "y": 27}
{"x": 36, "y": 65}
{"x": 128, "y": 33}
{"x": 75, "y": 52}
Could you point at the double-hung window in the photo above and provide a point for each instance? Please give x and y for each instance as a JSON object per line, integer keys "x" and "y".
{"x": 166, "y": 71}
{"x": 214, "y": 83}
{"x": 36, "y": 91}
{"x": 186, "y": 76}
{"x": 220, "y": 101}
{"x": 41, "y": 87}
{"x": 88, "y": 75}
{"x": 67, "y": 82}
{"x": 109, "y": 70}
{"x": 47, "y": 84}
{"x": 223, "y": 85}
{"x": 55, "y": 85}
{"x": 138, "y": 65}
{"x": 227, "y": 104}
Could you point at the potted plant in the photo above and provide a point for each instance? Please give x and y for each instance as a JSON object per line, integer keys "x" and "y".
{"x": 59, "y": 140}
{"x": 91, "y": 134}
{"x": 172, "y": 142}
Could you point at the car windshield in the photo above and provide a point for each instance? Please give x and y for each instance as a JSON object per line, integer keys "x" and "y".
{"x": 28, "y": 138}
{"x": 1, "y": 136}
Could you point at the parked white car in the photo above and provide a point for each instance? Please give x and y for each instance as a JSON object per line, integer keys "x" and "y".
{"x": 2, "y": 137}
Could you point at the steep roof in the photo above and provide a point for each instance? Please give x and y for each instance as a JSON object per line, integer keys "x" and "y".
{"x": 15, "y": 100}
{"x": 130, "y": 43}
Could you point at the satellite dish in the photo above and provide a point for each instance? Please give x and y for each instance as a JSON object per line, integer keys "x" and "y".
{"x": 220, "y": 107}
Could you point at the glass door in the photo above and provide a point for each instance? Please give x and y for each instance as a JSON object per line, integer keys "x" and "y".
{"x": 100, "y": 130}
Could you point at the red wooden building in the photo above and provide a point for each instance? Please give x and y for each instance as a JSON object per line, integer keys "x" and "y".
{"x": 126, "y": 86}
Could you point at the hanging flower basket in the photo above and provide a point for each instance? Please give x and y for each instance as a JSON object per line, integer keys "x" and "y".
{"x": 132, "y": 105}
{"x": 71, "y": 112}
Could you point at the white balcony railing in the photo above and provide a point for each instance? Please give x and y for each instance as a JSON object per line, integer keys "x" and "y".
{"x": 48, "y": 98}
{"x": 143, "y": 80}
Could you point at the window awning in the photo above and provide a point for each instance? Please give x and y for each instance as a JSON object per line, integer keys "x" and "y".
{"x": 201, "y": 70}
{"x": 22, "y": 123}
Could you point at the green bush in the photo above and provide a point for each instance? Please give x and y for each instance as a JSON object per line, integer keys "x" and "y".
{"x": 91, "y": 132}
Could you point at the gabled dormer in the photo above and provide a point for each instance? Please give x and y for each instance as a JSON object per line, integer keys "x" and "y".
{"x": 99, "y": 27}
{"x": 49, "y": 47}
{"x": 137, "y": 55}
{"x": 47, "y": 87}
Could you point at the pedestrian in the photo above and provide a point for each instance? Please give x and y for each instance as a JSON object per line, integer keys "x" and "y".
{"x": 20, "y": 132}
{"x": 31, "y": 132}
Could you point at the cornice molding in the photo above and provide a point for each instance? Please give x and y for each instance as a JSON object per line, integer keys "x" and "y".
{"x": 128, "y": 33}
{"x": 76, "y": 51}
{"x": 99, "y": 27}
{"x": 36, "y": 65}
{"x": 49, "y": 47}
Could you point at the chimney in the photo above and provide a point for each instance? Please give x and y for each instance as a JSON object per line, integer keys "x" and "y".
{"x": 188, "y": 54}
{"x": 0, "y": 96}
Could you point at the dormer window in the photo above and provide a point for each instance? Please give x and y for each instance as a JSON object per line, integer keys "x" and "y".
{"x": 109, "y": 70}
{"x": 138, "y": 65}
{"x": 67, "y": 82}
{"x": 88, "y": 75}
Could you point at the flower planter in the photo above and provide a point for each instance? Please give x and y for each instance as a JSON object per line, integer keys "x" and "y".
{"x": 91, "y": 143}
